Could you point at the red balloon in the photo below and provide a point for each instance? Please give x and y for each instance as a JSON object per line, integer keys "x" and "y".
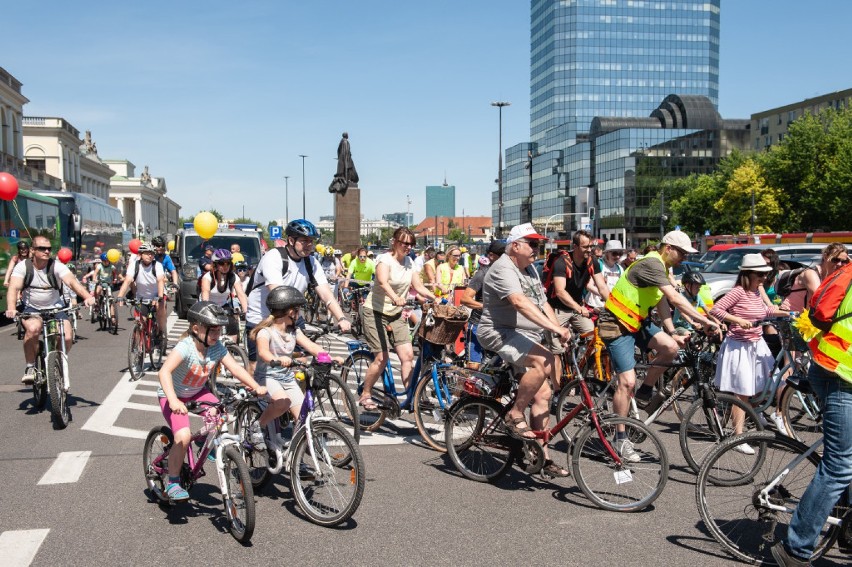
{"x": 134, "y": 245}
{"x": 64, "y": 255}
{"x": 8, "y": 186}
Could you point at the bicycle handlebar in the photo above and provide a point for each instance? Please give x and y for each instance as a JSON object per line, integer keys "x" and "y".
{"x": 44, "y": 313}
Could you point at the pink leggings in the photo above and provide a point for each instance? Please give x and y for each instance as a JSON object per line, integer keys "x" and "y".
{"x": 178, "y": 422}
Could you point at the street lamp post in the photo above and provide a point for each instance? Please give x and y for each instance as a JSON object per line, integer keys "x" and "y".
{"x": 752, "y": 212}
{"x": 500, "y": 105}
{"x": 287, "y": 198}
{"x": 304, "y": 215}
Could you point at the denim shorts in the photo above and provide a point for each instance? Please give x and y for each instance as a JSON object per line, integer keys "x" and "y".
{"x": 622, "y": 350}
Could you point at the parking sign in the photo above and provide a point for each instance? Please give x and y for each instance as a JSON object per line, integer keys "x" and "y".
{"x": 274, "y": 232}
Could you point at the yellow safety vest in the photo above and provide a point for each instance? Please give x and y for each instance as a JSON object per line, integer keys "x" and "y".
{"x": 446, "y": 276}
{"x": 631, "y": 304}
{"x": 833, "y": 349}
{"x": 707, "y": 297}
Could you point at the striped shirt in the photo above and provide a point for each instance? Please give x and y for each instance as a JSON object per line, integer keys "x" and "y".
{"x": 746, "y": 305}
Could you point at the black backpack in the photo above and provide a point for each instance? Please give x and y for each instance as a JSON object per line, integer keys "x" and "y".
{"x": 786, "y": 279}
{"x": 232, "y": 277}
{"x": 285, "y": 259}
{"x": 136, "y": 269}
{"x": 51, "y": 276}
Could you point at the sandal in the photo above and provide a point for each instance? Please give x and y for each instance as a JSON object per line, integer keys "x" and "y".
{"x": 553, "y": 470}
{"x": 518, "y": 432}
{"x": 368, "y": 404}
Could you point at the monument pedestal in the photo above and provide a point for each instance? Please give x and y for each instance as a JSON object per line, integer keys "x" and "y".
{"x": 347, "y": 220}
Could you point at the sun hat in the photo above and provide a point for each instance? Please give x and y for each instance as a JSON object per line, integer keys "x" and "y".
{"x": 679, "y": 239}
{"x": 754, "y": 263}
{"x": 526, "y": 231}
{"x": 614, "y": 246}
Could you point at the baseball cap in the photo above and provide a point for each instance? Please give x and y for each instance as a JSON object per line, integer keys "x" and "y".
{"x": 680, "y": 239}
{"x": 526, "y": 231}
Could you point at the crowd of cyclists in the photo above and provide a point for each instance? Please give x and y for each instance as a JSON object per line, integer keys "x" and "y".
{"x": 631, "y": 302}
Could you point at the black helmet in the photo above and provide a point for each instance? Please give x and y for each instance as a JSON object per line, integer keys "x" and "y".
{"x": 284, "y": 297}
{"x": 158, "y": 241}
{"x": 207, "y": 313}
{"x": 692, "y": 277}
{"x": 303, "y": 228}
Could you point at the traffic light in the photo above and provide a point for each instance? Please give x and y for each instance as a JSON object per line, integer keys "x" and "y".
{"x": 591, "y": 213}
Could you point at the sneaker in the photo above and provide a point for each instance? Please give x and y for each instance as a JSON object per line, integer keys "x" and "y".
{"x": 176, "y": 493}
{"x": 625, "y": 450}
{"x": 29, "y": 376}
{"x": 784, "y": 559}
{"x": 778, "y": 420}
{"x": 256, "y": 437}
{"x": 744, "y": 448}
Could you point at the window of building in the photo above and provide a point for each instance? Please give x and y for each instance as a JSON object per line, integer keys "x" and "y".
{"x": 37, "y": 163}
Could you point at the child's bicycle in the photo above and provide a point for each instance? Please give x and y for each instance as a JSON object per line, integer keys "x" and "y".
{"x": 324, "y": 462}
{"x": 234, "y": 479}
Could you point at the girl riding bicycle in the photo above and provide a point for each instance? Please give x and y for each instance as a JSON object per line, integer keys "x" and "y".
{"x": 276, "y": 338}
{"x": 183, "y": 378}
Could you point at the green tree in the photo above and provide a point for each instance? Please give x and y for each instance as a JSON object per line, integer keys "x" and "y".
{"x": 456, "y": 235}
{"x": 744, "y": 183}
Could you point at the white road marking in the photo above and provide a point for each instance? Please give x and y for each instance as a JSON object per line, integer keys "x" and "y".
{"x": 18, "y": 548}
{"x": 67, "y": 467}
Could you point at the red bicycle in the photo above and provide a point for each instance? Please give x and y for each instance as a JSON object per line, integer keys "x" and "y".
{"x": 144, "y": 338}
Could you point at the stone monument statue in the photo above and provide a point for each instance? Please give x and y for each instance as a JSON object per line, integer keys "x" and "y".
{"x": 145, "y": 178}
{"x": 346, "y": 175}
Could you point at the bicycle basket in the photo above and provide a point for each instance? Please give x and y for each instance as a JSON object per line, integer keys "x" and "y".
{"x": 322, "y": 372}
{"x": 447, "y": 322}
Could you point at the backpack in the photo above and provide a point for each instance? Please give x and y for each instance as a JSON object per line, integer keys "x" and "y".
{"x": 828, "y": 297}
{"x": 785, "y": 281}
{"x": 569, "y": 270}
{"x": 285, "y": 259}
{"x": 232, "y": 277}
{"x": 136, "y": 269}
{"x": 51, "y": 275}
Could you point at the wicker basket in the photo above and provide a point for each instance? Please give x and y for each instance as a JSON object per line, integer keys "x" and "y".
{"x": 449, "y": 321}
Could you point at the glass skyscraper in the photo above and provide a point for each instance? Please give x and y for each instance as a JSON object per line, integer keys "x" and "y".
{"x": 441, "y": 200}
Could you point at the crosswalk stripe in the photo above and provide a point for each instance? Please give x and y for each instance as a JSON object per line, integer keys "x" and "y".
{"x": 142, "y": 407}
{"x": 18, "y": 548}
{"x": 67, "y": 467}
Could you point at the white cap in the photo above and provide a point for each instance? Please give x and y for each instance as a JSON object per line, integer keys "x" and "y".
{"x": 525, "y": 230}
{"x": 679, "y": 239}
{"x": 613, "y": 246}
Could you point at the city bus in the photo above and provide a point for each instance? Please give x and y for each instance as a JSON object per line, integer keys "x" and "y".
{"x": 87, "y": 222}
{"x": 36, "y": 215}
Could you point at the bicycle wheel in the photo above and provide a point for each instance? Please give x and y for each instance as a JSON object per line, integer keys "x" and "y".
{"x": 801, "y": 414}
{"x": 699, "y": 432}
{"x": 59, "y": 410}
{"x": 239, "y": 504}
{"x": 158, "y": 442}
{"x": 136, "y": 353}
{"x": 220, "y": 375}
{"x": 338, "y": 402}
{"x": 40, "y": 380}
{"x": 158, "y": 347}
{"x": 570, "y": 396}
{"x": 477, "y": 440}
{"x": 311, "y": 309}
{"x": 733, "y": 510}
{"x": 352, "y": 375}
{"x": 430, "y": 408}
{"x": 327, "y": 474}
{"x": 257, "y": 460}
{"x": 628, "y": 487}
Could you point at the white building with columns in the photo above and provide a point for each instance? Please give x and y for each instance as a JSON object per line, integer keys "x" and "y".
{"x": 142, "y": 200}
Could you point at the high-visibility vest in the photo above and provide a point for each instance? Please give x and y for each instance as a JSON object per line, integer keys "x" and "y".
{"x": 631, "y": 304}
{"x": 833, "y": 349}
{"x": 707, "y": 298}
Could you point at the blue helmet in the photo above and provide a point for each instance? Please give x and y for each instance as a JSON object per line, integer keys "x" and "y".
{"x": 302, "y": 228}
{"x": 104, "y": 257}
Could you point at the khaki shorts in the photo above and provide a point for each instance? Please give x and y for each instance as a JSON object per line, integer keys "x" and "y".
{"x": 579, "y": 324}
{"x": 375, "y": 330}
{"x": 512, "y": 345}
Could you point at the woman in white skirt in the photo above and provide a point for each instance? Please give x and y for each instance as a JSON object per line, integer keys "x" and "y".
{"x": 745, "y": 361}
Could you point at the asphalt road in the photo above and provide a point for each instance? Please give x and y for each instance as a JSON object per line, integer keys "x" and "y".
{"x": 91, "y": 508}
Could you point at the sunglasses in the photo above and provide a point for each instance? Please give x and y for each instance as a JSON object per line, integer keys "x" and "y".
{"x": 840, "y": 262}
{"x": 405, "y": 242}
{"x": 242, "y": 269}
{"x": 42, "y": 248}
{"x": 455, "y": 255}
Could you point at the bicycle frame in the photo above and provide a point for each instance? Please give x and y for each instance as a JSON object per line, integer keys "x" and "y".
{"x": 148, "y": 321}
{"x": 53, "y": 332}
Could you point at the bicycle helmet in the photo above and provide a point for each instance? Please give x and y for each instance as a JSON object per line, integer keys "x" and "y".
{"x": 301, "y": 228}
{"x": 221, "y": 255}
{"x": 338, "y": 252}
{"x": 329, "y": 251}
{"x": 143, "y": 248}
{"x": 240, "y": 266}
{"x": 284, "y": 297}
{"x": 692, "y": 277}
{"x": 207, "y": 313}
{"x": 104, "y": 257}
{"x": 23, "y": 246}
{"x": 158, "y": 242}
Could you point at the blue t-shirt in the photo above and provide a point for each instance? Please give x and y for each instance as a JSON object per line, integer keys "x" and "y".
{"x": 191, "y": 375}
{"x": 167, "y": 263}
{"x": 696, "y": 302}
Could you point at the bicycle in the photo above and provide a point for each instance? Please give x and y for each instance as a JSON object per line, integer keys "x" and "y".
{"x": 482, "y": 449}
{"x": 52, "y": 377}
{"x": 326, "y": 469}
{"x": 233, "y": 473}
{"x": 145, "y": 337}
{"x": 104, "y": 310}
{"x": 746, "y": 501}
{"x": 220, "y": 374}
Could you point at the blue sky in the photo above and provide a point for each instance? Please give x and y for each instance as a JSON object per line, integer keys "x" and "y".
{"x": 220, "y": 98}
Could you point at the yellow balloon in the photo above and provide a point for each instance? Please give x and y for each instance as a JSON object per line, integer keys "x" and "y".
{"x": 171, "y": 245}
{"x": 113, "y": 255}
{"x": 205, "y": 225}
{"x": 237, "y": 257}
{"x": 320, "y": 249}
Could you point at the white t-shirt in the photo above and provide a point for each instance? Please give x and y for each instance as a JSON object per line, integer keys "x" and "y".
{"x": 146, "y": 281}
{"x": 39, "y": 295}
{"x": 216, "y": 296}
{"x": 268, "y": 272}
{"x": 611, "y": 276}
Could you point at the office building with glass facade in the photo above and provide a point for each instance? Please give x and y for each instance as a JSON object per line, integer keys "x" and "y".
{"x": 441, "y": 200}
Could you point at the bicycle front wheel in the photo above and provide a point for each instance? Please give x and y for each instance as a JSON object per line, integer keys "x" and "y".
{"x": 136, "y": 353}
{"x": 432, "y": 398}
{"x": 40, "y": 381}
{"x": 730, "y": 498}
{"x": 477, "y": 440}
{"x": 59, "y": 410}
{"x": 700, "y": 431}
{"x": 801, "y": 414}
{"x": 625, "y": 487}
{"x": 338, "y": 402}
{"x": 327, "y": 474}
{"x": 239, "y": 504}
